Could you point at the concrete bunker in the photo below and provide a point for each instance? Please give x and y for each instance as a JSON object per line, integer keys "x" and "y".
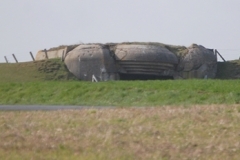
{"x": 136, "y": 61}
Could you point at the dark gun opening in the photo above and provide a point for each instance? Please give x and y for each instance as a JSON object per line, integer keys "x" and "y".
{"x": 144, "y": 77}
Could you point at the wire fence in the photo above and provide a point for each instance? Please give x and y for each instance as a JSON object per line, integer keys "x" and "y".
{"x": 226, "y": 55}
{"x": 45, "y": 52}
{"x": 15, "y": 58}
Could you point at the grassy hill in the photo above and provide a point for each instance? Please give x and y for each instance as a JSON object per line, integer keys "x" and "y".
{"x": 43, "y": 70}
{"x": 50, "y": 82}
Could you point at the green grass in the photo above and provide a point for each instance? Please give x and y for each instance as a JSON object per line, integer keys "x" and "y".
{"x": 122, "y": 93}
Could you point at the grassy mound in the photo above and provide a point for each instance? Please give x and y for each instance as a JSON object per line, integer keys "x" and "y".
{"x": 43, "y": 70}
{"x": 122, "y": 93}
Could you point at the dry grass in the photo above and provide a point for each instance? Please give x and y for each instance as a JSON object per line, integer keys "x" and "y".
{"x": 196, "y": 132}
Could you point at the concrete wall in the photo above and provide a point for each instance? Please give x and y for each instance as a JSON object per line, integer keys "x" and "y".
{"x": 55, "y": 52}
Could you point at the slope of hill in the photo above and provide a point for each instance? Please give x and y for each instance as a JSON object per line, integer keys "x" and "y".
{"x": 43, "y": 70}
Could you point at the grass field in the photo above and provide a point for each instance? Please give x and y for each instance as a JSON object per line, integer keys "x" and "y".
{"x": 168, "y": 120}
{"x": 168, "y": 132}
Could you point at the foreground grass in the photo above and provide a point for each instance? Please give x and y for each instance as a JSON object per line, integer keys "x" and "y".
{"x": 195, "y": 132}
{"x": 122, "y": 93}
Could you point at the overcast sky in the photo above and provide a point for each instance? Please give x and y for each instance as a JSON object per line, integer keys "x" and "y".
{"x": 32, "y": 25}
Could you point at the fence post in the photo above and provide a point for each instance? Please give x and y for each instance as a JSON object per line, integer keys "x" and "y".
{"x": 6, "y": 59}
{"x": 32, "y": 56}
{"x": 63, "y": 56}
{"x": 15, "y": 58}
{"x": 220, "y": 55}
{"x": 46, "y": 53}
{"x": 215, "y": 53}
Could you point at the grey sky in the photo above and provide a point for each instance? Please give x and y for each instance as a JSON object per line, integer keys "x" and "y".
{"x": 32, "y": 25}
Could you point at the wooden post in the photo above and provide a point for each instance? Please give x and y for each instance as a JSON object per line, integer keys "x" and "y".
{"x": 215, "y": 53}
{"x": 15, "y": 58}
{"x": 32, "y": 56}
{"x": 220, "y": 55}
{"x": 46, "y": 53}
{"x": 63, "y": 56}
{"x": 6, "y": 59}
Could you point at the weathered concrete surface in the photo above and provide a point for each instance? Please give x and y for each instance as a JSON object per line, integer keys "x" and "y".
{"x": 51, "y": 54}
{"x": 92, "y": 62}
{"x": 148, "y": 53}
{"x": 54, "y": 52}
{"x": 199, "y": 62}
{"x": 145, "y": 59}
